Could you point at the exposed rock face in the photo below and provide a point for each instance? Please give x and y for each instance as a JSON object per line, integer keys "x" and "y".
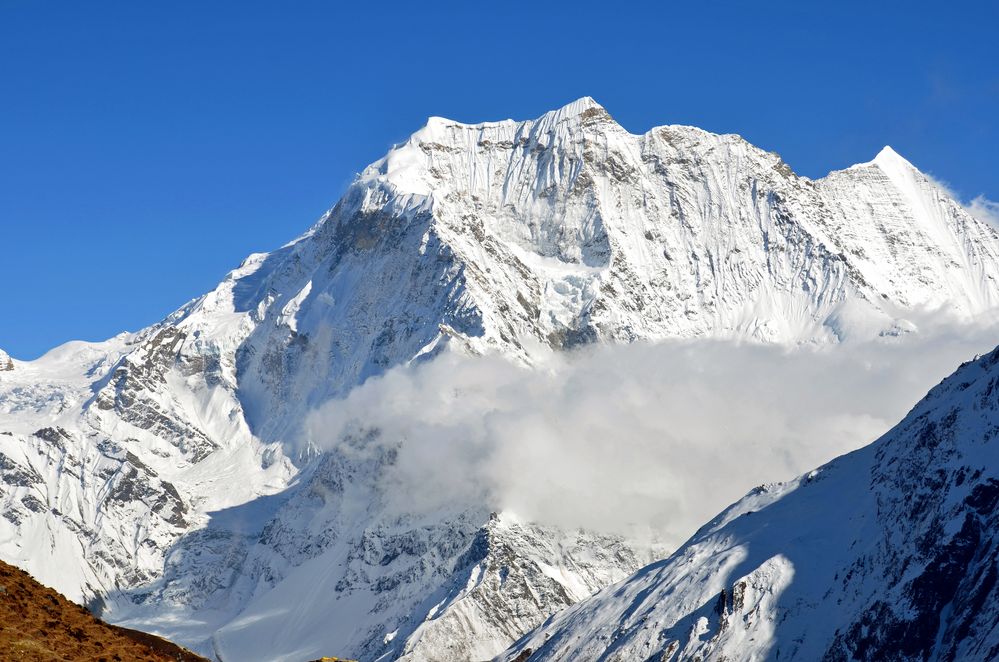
{"x": 6, "y": 363}
{"x": 459, "y": 583}
{"x": 888, "y": 553}
{"x": 158, "y": 465}
{"x": 132, "y": 387}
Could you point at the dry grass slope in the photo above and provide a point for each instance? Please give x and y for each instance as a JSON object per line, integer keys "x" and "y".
{"x": 36, "y": 623}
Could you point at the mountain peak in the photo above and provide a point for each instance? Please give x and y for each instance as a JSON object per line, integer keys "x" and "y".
{"x": 580, "y": 105}
{"x": 889, "y": 159}
{"x": 886, "y": 152}
{"x": 582, "y": 109}
{"x": 410, "y": 166}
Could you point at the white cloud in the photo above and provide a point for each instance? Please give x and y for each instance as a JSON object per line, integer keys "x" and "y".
{"x": 621, "y": 438}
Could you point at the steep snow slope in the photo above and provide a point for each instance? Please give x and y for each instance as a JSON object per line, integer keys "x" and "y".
{"x": 887, "y": 553}
{"x": 170, "y": 469}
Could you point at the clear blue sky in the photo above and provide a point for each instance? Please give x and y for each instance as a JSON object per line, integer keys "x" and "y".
{"x": 147, "y": 147}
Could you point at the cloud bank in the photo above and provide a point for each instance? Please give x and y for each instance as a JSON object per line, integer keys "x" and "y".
{"x": 634, "y": 439}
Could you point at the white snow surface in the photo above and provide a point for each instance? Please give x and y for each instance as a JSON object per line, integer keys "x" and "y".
{"x": 166, "y": 474}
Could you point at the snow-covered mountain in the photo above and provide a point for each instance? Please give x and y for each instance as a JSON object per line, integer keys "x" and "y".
{"x": 888, "y": 553}
{"x": 167, "y": 474}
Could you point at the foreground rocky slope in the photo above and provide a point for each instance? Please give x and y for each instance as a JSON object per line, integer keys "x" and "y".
{"x": 888, "y": 553}
{"x": 165, "y": 476}
{"x": 36, "y": 623}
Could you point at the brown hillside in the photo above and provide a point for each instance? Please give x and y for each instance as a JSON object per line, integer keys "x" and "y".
{"x": 36, "y": 623}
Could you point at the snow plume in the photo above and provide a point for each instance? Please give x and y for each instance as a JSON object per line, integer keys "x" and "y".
{"x": 984, "y": 210}
{"x": 636, "y": 439}
{"x": 980, "y": 207}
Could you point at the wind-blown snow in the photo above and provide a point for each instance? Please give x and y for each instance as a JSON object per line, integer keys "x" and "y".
{"x": 985, "y": 210}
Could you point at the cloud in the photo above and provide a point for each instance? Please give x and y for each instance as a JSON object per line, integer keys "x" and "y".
{"x": 632, "y": 439}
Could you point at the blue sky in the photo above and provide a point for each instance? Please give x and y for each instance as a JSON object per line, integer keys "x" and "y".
{"x": 147, "y": 147}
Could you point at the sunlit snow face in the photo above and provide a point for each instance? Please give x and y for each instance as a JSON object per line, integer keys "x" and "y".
{"x": 654, "y": 438}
